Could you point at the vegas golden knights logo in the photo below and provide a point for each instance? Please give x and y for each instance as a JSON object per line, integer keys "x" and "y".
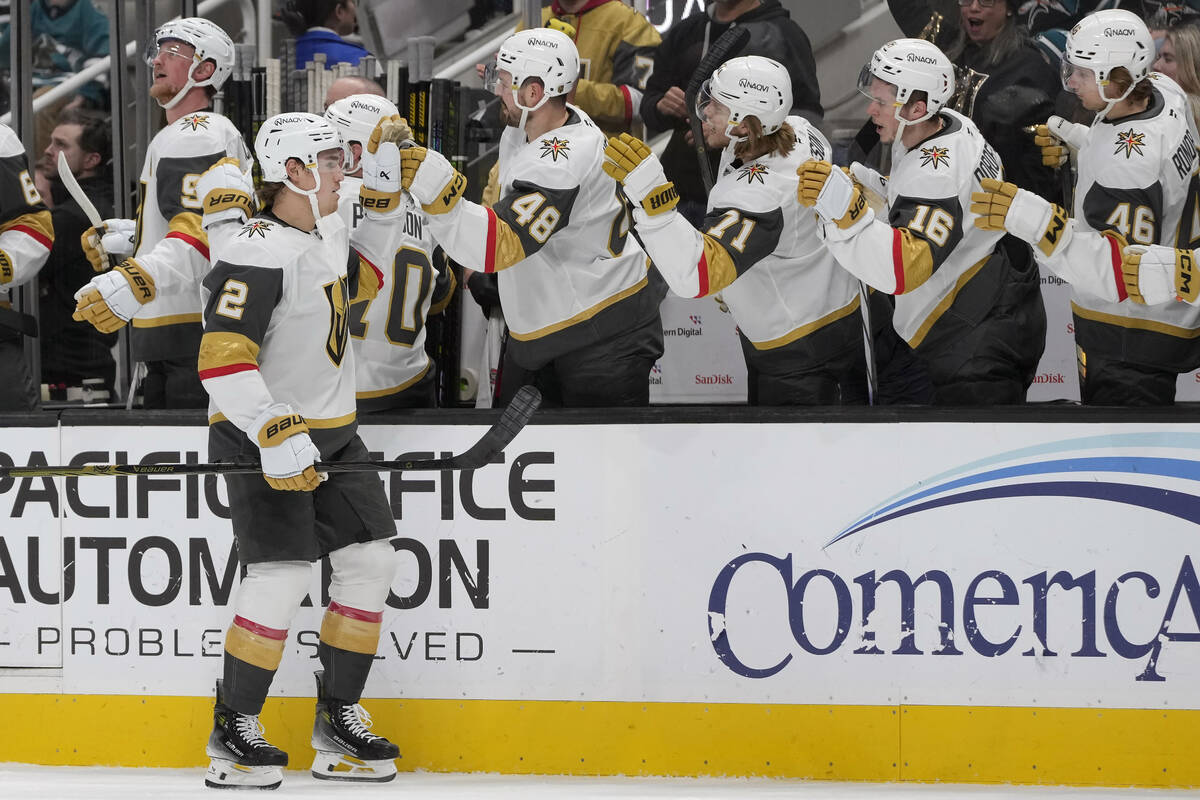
{"x": 339, "y": 321}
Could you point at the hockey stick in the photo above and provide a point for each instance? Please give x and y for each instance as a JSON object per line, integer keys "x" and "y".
{"x": 731, "y": 41}
{"x": 76, "y": 191}
{"x": 477, "y": 455}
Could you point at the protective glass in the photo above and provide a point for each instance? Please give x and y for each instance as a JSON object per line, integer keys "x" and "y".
{"x": 1082, "y": 75}
{"x": 875, "y": 89}
{"x": 331, "y": 160}
{"x": 709, "y": 110}
{"x": 495, "y": 79}
{"x": 169, "y": 47}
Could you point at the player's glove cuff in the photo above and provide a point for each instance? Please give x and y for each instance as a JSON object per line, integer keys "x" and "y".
{"x": 1002, "y": 206}
{"x": 430, "y": 179}
{"x": 6, "y": 268}
{"x": 630, "y": 162}
{"x": 1157, "y": 274}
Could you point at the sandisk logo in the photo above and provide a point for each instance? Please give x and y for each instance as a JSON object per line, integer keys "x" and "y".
{"x": 922, "y": 59}
{"x": 1119, "y": 31}
{"x": 746, "y": 83}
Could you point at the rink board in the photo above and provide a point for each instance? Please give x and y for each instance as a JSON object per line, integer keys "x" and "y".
{"x": 927, "y": 601}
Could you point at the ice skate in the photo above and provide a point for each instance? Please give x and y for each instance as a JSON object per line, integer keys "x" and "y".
{"x": 346, "y": 748}
{"x": 241, "y": 757}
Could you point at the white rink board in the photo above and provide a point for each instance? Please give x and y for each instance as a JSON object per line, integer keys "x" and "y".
{"x": 621, "y": 594}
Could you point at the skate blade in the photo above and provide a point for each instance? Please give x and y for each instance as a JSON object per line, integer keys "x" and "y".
{"x": 224, "y": 774}
{"x": 338, "y": 767}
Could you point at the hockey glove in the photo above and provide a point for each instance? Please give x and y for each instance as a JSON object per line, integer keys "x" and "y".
{"x": 429, "y": 178}
{"x": 287, "y": 451}
{"x": 629, "y": 162}
{"x": 6, "y": 268}
{"x": 1057, "y": 139}
{"x": 872, "y": 182}
{"x": 110, "y": 300}
{"x": 227, "y": 193}
{"x": 1004, "y": 207}
{"x": 832, "y": 193}
{"x": 111, "y": 238}
{"x": 380, "y": 192}
{"x": 1156, "y": 274}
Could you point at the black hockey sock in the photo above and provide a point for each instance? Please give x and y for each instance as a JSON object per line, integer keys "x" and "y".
{"x": 349, "y": 638}
{"x": 252, "y": 654}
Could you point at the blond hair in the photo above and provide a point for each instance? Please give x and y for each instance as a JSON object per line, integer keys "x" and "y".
{"x": 1185, "y": 38}
{"x": 758, "y": 143}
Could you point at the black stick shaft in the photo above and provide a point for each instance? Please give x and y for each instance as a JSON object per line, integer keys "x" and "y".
{"x": 493, "y": 441}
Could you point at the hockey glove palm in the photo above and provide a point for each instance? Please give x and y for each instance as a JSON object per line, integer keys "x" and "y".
{"x": 227, "y": 193}
{"x": 110, "y": 300}
{"x": 1004, "y": 207}
{"x": 630, "y": 162}
{"x": 1156, "y": 274}
{"x": 429, "y": 178}
{"x": 380, "y": 192}
{"x": 832, "y": 193}
{"x": 286, "y": 450}
{"x": 108, "y": 243}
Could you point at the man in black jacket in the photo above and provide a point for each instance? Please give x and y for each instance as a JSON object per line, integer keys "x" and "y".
{"x": 73, "y": 351}
{"x": 773, "y": 34}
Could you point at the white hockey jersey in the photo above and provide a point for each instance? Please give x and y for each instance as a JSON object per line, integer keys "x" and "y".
{"x": 1137, "y": 178}
{"x": 277, "y": 328}
{"x": 760, "y": 250}
{"x": 929, "y": 248}
{"x": 388, "y": 332}
{"x": 570, "y": 274}
{"x": 171, "y": 246}
{"x": 26, "y": 231}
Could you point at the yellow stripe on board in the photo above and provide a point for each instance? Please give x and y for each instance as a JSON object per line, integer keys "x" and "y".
{"x": 856, "y": 743}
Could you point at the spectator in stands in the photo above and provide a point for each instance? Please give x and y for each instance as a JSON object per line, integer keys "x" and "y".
{"x": 351, "y": 84}
{"x": 68, "y": 35}
{"x": 320, "y": 26}
{"x": 72, "y": 351}
{"x": 1005, "y": 84}
{"x": 1179, "y": 59}
{"x": 773, "y": 34}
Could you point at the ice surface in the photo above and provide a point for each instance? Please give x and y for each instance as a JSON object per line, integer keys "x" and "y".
{"x": 24, "y": 782}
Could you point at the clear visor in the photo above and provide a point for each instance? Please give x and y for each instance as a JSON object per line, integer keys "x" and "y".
{"x": 331, "y": 160}
{"x": 875, "y": 89}
{"x": 495, "y": 79}
{"x": 1072, "y": 73}
{"x": 170, "y": 47}
{"x": 710, "y": 111}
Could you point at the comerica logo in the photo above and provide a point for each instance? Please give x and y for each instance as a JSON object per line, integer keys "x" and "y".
{"x": 950, "y": 613}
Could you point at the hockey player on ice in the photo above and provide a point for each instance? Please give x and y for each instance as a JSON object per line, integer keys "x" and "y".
{"x": 968, "y": 301}
{"x": 276, "y": 361}
{"x": 797, "y": 311}
{"x": 1135, "y": 187}
{"x": 164, "y": 253}
{"x": 388, "y": 332}
{"x": 581, "y": 308}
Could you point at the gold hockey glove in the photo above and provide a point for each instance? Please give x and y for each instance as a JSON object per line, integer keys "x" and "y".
{"x": 630, "y": 162}
{"x": 1005, "y": 207}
